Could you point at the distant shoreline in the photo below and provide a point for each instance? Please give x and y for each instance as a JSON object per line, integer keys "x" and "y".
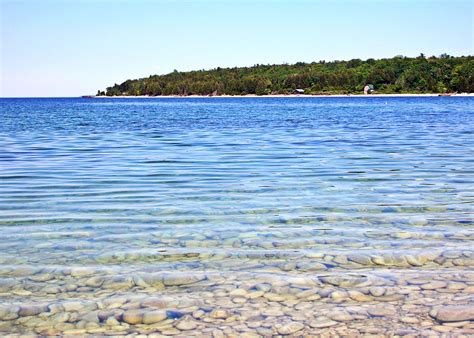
{"x": 277, "y": 96}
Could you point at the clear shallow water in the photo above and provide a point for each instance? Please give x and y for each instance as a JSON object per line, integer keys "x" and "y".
{"x": 224, "y": 216}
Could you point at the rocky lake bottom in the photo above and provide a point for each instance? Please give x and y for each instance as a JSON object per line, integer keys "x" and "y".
{"x": 325, "y": 217}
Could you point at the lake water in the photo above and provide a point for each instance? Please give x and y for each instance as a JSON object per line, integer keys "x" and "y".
{"x": 237, "y": 216}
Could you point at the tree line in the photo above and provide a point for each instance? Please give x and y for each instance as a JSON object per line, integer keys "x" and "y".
{"x": 442, "y": 74}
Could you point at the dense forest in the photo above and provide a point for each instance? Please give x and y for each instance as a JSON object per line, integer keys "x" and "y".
{"x": 442, "y": 74}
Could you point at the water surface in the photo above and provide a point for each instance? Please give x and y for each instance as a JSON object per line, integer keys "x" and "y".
{"x": 234, "y": 216}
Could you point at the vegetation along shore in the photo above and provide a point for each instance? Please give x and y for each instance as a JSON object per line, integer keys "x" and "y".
{"x": 397, "y": 75}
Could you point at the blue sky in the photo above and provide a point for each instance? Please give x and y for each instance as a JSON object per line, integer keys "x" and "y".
{"x": 70, "y": 48}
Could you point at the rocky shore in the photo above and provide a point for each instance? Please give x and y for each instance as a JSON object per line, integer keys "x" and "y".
{"x": 430, "y": 292}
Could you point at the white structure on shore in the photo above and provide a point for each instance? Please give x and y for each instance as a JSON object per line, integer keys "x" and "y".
{"x": 368, "y": 89}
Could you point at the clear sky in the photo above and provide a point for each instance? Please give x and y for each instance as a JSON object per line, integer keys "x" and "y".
{"x": 70, "y": 48}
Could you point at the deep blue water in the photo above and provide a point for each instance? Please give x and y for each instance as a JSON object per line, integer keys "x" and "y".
{"x": 66, "y": 116}
{"x": 240, "y": 184}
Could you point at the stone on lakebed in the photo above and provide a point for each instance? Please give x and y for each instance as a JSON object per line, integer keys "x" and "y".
{"x": 454, "y": 313}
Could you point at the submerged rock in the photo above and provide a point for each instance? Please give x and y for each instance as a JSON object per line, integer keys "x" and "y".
{"x": 290, "y": 328}
{"x": 339, "y": 295}
{"x": 6, "y": 284}
{"x": 344, "y": 281}
{"x": 9, "y": 312}
{"x": 186, "y": 324}
{"x": 219, "y": 314}
{"x": 42, "y": 277}
{"x": 434, "y": 285}
{"x": 381, "y": 312}
{"x": 359, "y": 296}
{"x": 341, "y": 316}
{"x": 133, "y": 317}
{"x": 360, "y": 259}
{"x": 32, "y": 310}
{"x": 377, "y": 291}
{"x": 322, "y": 323}
{"x": 119, "y": 283}
{"x": 151, "y": 317}
{"x": 73, "y": 306}
{"x": 454, "y": 313}
{"x": 389, "y": 259}
{"x": 182, "y": 279}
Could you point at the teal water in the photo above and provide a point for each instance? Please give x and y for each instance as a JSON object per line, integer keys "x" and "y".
{"x": 188, "y": 200}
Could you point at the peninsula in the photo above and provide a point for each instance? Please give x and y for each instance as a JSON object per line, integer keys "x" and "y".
{"x": 397, "y": 75}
